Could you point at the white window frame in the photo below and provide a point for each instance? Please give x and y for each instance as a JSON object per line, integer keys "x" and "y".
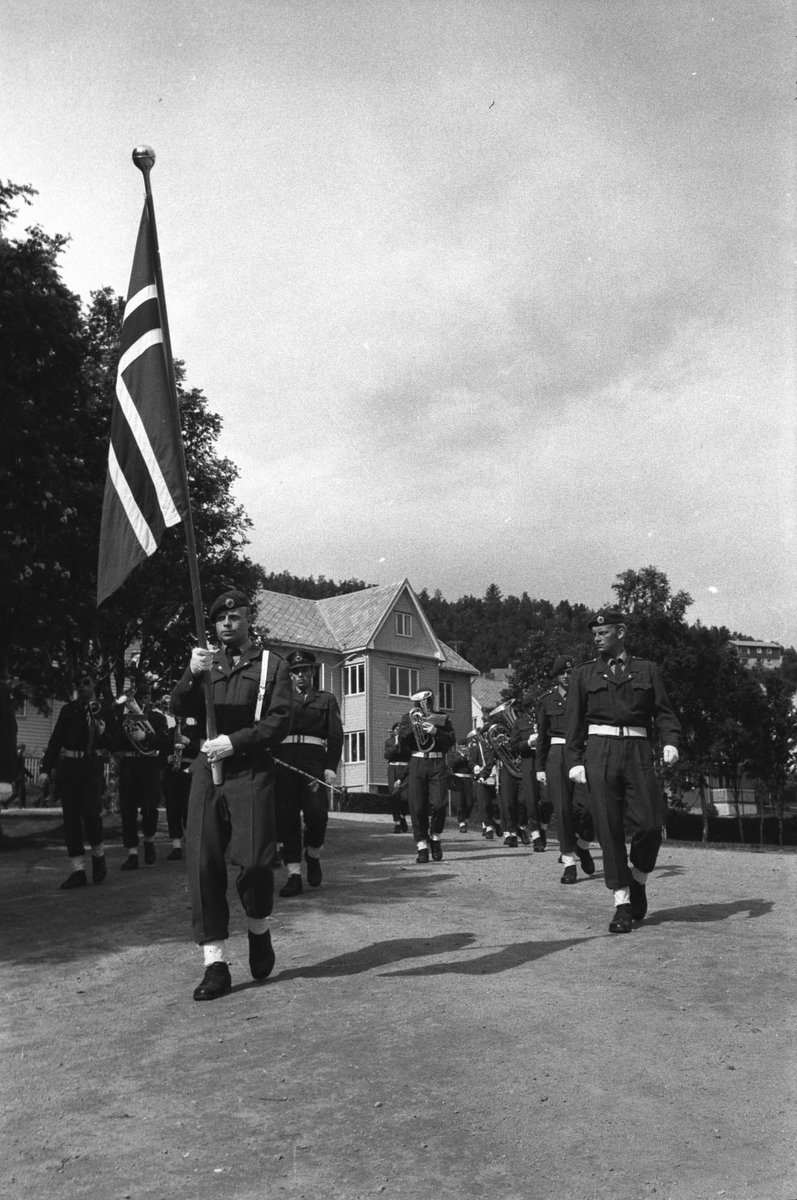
{"x": 356, "y": 740}
{"x": 403, "y": 624}
{"x": 357, "y": 669}
{"x": 446, "y": 692}
{"x": 414, "y": 684}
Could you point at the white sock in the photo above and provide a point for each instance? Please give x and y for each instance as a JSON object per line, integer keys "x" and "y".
{"x": 258, "y": 925}
{"x": 294, "y": 868}
{"x": 79, "y": 863}
{"x": 98, "y": 851}
{"x": 434, "y": 837}
{"x": 582, "y": 845}
{"x": 622, "y": 896}
{"x": 177, "y": 843}
{"x": 639, "y": 876}
{"x": 214, "y": 952}
{"x": 423, "y": 845}
{"x": 313, "y": 851}
{"x": 568, "y": 860}
{"x": 535, "y": 833}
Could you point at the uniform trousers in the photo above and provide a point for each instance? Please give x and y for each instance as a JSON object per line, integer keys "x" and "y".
{"x": 176, "y": 790}
{"x": 569, "y": 799}
{"x": 139, "y": 790}
{"x": 623, "y": 792}
{"x": 80, "y": 793}
{"x": 236, "y": 816}
{"x": 512, "y": 802}
{"x": 297, "y": 799}
{"x": 399, "y": 801}
{"x": 428, "y": 795}
{"x": 461, "y": 789}
{"x": 539, "y": 807}
{"x": 485, "y": 802}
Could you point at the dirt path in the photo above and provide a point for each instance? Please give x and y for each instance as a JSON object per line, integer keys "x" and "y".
{"x": 467, "y": 1029}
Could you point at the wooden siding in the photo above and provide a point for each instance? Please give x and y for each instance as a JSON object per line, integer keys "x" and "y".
{"x": 388, "y": 641}
{"x": 34, "y": 729}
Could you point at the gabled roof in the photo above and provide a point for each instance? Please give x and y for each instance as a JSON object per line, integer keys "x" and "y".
{"x": 343, "y": 623}
{"x": 487, "y": 692}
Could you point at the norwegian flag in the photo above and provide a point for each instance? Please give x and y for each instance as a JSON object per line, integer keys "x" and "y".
{"x": 146, "y": 489}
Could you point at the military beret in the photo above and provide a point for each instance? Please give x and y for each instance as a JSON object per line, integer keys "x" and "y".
{"x": 562, "y": 664}
{"x": 227, "y": 601}
{"x": 301, "y": 658}
{"x": 608, "y": 616}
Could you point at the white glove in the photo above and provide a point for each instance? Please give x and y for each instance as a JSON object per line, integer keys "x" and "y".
{"x": 330, "y": 777}
{"x": 218, "y": 747}
{"x": 541, "y": 777}
{"x": 671, "y": 755}
{"x": 201, "y": 660}
{"x": 532, "y": 742}
{"x": 578, "y": 774}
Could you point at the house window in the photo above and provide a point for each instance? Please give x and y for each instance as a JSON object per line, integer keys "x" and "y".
{"x": 404, "y": 624}
{"x": 21, "y": 708}
{"x": 447, "y": 695}
{"x": 404, "y": 681}
{"x": 354, "y": 679}
{"x": 354, "y": 747}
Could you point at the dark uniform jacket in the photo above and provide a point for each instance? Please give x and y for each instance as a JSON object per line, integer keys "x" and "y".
{"x": 8, "y": 734}
{"x": 234, "y": 699}
{"x": 394, "y": 751}
{"x": 634, "y": 697}
{"x": 519, "y": 735}
{"x": 73, "y": 732}
{"x": 458, "y": 761}
{"x": 550, "y": 722}
{"x": 444, "y": 736}
{"x": 316, "y": 714}
{"x": 482, "y": 756}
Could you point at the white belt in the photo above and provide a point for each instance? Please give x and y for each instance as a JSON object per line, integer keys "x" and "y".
{"x": 462, "y": 774}
{"x": 618, "y": 730}
{"x": 74, "y": 753}
{"x": 427, "y": 754}
{"x": 561, "y": 741}
{"x": 303, "y": 739}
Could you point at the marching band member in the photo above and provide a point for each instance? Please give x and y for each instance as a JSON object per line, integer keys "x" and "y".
{"x": 614, "y": 703}
{"x": 252, "y": 701}
{"x": 314, "y": 745}
{"x": 482, "y": 761}
{"x": 427, "y": 735}
{"x": 573, "y": 821}
{"x": 523, "y": 743}
{"x": 177, "y": 782}
{"x": 83, "y": 726}
{"x": 398, "y": 767}
{"x": 460, "y": 783}
{"x": 498, "y": 732}
{"x": 147, "y": 733}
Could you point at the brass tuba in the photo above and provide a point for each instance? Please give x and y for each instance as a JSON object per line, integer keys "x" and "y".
{"x": 502, "y": 720}
{"x": 422, "y": 730}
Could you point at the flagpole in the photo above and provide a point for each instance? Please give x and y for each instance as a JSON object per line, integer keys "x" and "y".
{"x": 144, "y": 159}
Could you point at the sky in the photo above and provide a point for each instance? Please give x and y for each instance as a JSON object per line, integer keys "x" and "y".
{"x": 484, "y": 292}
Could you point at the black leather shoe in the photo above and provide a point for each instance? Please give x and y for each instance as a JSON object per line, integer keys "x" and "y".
{"x": 543, "y": 838}
{"x": 293, "y": 887}
{"x": 498, "y": 830}
{"x": 215, "y": 982}
{"x": 261, "y": 954}
{"x": 523, "y": 834}
{"x": 538, "y": 845}
{"x": 511, "y": 841}
{"x": 586, "y": 860}
{"x": 76, "y": 879}
{"x": 639, "y": 900}
{"x": 437, "y": 849}
{"x": 130, "y": 863}
{"x": 174, "y": 854}
{"x": 397, "y": 827}
{"x": 149, "y": 853}
{"x": 314, "y": 872}
{"x": 463, "y": 827}
{"x": 489, "y": 834}
{"x": 99, "y": 868}
{"x": 423, "y": 856}
{"x": 622, "y": 921}
{"x": 570, "y": 875}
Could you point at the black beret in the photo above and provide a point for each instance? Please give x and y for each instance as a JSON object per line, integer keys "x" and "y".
{"x": 608, "y": 616}
{"x": 301, "y": 658}
{"x": 562, "y": 664}
{"x": 227, "y": 601}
